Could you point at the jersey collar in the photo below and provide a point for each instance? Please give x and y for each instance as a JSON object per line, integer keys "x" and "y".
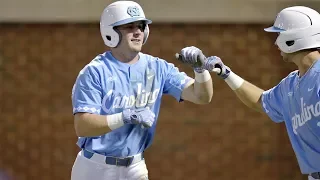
{"x": 124, "y": 66}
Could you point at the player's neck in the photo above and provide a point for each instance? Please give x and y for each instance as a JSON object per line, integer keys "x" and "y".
{"x": 129, "y": 58}
{"x": 305, "y": 60}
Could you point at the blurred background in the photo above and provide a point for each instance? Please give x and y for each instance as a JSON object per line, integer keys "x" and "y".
{"x": 44, "y": 44}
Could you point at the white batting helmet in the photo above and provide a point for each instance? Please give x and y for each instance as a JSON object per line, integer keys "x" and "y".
{"x": 119, "y": 13}
{"x": 298, "y": 28}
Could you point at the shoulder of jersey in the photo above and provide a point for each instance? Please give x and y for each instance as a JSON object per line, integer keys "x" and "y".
{"x": 292, "y": 74}
{"x": 94, "y": 65}
{"x": 289, "y": 79}
{"x": 98, "y": 60}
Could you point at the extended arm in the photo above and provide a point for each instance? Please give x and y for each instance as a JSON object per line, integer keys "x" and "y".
{"x": 248, "y": 93}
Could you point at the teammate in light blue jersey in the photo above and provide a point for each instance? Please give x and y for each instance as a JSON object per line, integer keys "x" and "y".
{"x": 117, "y": 96}
{"x": 296, "y": 99}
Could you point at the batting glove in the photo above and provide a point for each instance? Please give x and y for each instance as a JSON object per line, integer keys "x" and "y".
{"x": 215, "y": 64}
{"x": 142, "y": 116}
{"x": 194, "y": 57}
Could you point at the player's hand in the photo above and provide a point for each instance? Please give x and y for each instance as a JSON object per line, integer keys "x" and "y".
{"x": 215, "y": 64}
{"x": 142, "y": 116}
{"x": 194, "y": 57}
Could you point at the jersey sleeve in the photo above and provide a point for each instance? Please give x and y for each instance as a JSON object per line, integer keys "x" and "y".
{"x": 174, "y": 80}
{"x": 87, "y": 92}
{"x": 272, "y": 103}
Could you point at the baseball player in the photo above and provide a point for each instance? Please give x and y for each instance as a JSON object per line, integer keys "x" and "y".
{"x": 116, "y": 97}
{"x": 296, "y": 99}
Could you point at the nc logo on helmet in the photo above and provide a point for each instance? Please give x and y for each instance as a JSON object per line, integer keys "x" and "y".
{"x": 133, "y": 11}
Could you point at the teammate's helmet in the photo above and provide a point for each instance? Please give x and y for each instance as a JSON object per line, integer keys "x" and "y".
{"x": 119, "y": 13}
{"x": 298, "y": 28}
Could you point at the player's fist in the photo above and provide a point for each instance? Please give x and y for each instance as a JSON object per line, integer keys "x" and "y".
{"x": 215, "y": 64}
{"x": 192, "y": 56}
{"x": 142, "y": 116}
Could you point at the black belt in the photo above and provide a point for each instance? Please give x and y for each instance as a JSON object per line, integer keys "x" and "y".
{"x": 126, "y": 161}
{"x": 315, "y": 175}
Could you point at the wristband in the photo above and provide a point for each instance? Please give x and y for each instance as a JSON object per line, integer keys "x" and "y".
{"x": 202, "y": 77}
{"x": 234, "y": 81}
{"x": 115, "y": 121}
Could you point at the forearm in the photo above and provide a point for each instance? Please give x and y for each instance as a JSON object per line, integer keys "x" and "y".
{"x": 203, "y": 89}
{"x": 248, "y": 93}
{"x": 88, "y": 125}
{"x": 199, "y": 91}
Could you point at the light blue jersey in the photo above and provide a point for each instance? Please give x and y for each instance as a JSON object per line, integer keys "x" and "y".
{"x": 107, "y": 86}
{"x": 296, "y": 101}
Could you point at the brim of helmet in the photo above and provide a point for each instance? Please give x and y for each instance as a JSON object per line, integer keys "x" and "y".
{"x": 130, "y": 20}
{"x": 273, "y": 29}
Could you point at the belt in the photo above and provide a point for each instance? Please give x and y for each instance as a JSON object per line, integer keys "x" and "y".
{"x": 117, "y": 161}
{"x": 315, "y": 175}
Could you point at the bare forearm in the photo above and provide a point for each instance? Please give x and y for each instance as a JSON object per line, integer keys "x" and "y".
{"x": 250, "y": 95}
{"x": 200, "y": 90}
{"x": 88, "y": 125}
{"x": 203, "y": 91}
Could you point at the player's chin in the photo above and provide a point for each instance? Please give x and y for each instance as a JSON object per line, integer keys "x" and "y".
{"x": 136, "y": 48}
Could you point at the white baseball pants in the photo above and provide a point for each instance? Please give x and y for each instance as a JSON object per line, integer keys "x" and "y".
{"x": 95, "y": 168}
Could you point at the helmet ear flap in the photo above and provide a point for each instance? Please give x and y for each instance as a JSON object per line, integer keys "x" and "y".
{"x": 146, "y": 34}
{"x": 119, "y": 36}
{"x": 110, "y": 37}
